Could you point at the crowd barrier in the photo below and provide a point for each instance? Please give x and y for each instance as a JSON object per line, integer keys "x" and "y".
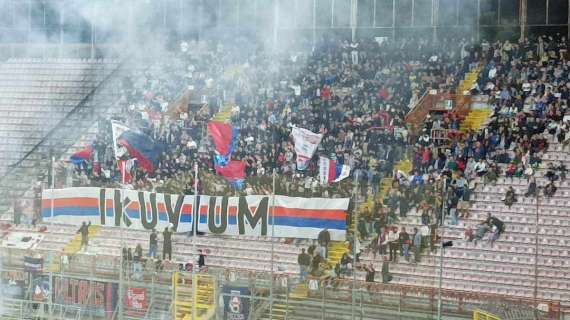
{"x": 102, "y": 287}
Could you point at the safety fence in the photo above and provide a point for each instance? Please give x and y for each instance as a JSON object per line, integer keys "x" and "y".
{"x": 103, "y": 287}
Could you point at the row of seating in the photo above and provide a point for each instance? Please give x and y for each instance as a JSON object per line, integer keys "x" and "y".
{"x": 41, "y": 94}
{"x": 228, "y": 252}
{"x": 508, "y": 266}
{"x": 10, "y": 85}
{"x": 60, "y": 61}
{"x": 55, "y": 77}
{"x": 44, "y": 89}
{"x": 4, "y": 70}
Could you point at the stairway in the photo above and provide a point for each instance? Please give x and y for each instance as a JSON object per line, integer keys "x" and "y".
{"x": 386, "y": 183}
{"x": 467, "y": 83}
{"x": 74, "y": 246}
{"x": 475, "y": 119}
{"x": 205, "y": 302}
{"x": 224, "y": 115}
{"x": 336, "y": 250}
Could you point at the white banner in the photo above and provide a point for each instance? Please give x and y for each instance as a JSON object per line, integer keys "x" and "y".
{"x": 306, "y": 143}
{"x": 117, "y": 129}
{"x": 250, "y": 215}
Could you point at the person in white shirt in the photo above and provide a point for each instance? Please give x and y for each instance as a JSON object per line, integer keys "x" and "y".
{"x": 392, "y": 241}
{"x": 481, "y": 168}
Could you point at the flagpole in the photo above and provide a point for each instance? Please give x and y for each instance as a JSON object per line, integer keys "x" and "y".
{"x": 355, "y": 238}
{"x": 196, "y": 218}
{"x": 272, "y": 244}
{"x": 52, "y": 184}
{"x": 123, "y": 172}
{"x": 121, "y": 275}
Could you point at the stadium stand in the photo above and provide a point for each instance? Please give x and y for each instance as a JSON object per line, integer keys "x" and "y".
{"x": 522, "y": 249}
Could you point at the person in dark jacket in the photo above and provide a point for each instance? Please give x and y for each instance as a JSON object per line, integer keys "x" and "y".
{"x": 550, "y": 189}
{"x": 304, "y": 261}
{"x": 84, "y": 231}
{"x": 167, "y": 244}
{"x": 324, "y": 239}
{"x": 494, "y": 221}
{"x": 510, "y": 197}
{"x": 404, "y": 239}
{"x": 201, "y": 259}
{"x": 386, "y": 276}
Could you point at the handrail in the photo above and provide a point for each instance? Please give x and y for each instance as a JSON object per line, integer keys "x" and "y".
{"x": 71, "y": 113}
{"x": 418, "y": 103}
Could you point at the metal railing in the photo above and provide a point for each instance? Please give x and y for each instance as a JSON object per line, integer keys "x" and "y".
{"x": 322, "y": 298}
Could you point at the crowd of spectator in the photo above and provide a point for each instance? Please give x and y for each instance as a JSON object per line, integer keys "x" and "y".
{"x": 356, "y": 95}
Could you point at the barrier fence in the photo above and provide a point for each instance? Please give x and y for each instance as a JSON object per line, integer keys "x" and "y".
{"x": 91, "y": 287}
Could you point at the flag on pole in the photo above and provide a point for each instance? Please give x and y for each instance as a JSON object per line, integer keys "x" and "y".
{"x": 118, "y": 129}
{"x": 306, "y": 143}
{"x": 142, "y": 147}
{"x": 234, "y": 172}
{"x": 81, "y": 156}
{"x": 137, "y": 144}
{"x": 125, "y": 167}
{"x": 331, "y": 171}
{"x": 225, "y": 139}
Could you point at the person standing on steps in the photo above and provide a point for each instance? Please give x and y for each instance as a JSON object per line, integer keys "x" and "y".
{"x": 153, "y": 244}
{"x": 167, "y": 244}
{"x": 84, "y": 231}
{"x": 324, "y": 239}
{"x": 201, "y": 260}
{"x": 304, "y": 261}
{"x": 393, "y": 244}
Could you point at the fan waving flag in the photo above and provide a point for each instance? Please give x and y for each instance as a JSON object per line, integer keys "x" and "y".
{"x": 331, "y": 171}
{"x": 306, "y": 143}
{"x": 81, "y": 156}
{"x": 234, "y": 172}
{"x": 225, "y": 138}
{"x": 142, "y": 147}
{"x": 222, "y": 135}
{"x": 117, "y": 129}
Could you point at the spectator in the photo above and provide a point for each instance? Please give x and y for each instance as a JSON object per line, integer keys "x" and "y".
{"x": 482, "y": 229}
{"x": 510, "y": 197}
{"x": 386, "y": 275}
{"x": 495, "y": 234}
{"x": 316, "y": 268}
{"x": 138, "y": 252}
{"x": 393, "y": 243}
{"x": 404, "y": 241}
{"x": 370, "y": 272}
{"x": 550, "y": 189}
{"x": 494, "y": 221}
{"x": 468, "y": 234}
{"x": 417, "y": 243}
{"x": 531, "y": 191}
{"x": 304, "y": 261}
{"x": 167, "y": 244}
{"x": 345, "y": 265}
{"x": 324, "y": 238}
{"x": 562, "y": 170}
{"x": 551, "y": 173}
{"x": 84, "y": 231}
{"x": 153, "y": 244}
{"x": 382, "y": 241}
{"x": 201, "y": 260}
